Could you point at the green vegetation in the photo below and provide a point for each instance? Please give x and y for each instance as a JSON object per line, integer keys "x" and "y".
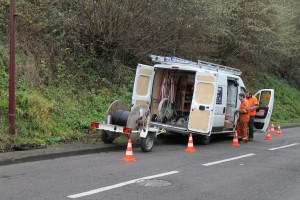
{"x": 56, "y": 113}
{"x": 286, "y": 105}
{"x": 75, "y": 57}
{"x": 49, "y": 114}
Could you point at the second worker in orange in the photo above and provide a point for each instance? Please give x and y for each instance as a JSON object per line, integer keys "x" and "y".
{"x": 242, "y": 123}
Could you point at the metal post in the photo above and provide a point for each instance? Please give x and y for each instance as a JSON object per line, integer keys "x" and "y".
{"x": 12, "y": 68}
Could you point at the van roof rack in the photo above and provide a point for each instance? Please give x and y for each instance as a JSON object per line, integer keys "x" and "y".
{"x": 200, "y": 64}
{"x": 220, "y": 67}
{"x": 168, "y": 60}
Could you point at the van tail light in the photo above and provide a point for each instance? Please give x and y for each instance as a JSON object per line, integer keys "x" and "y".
{"x": 94, "y": 124}
{"x": 127, "y": 130}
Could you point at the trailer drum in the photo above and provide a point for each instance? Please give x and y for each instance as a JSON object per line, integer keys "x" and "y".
{"x": 120, "y": 117}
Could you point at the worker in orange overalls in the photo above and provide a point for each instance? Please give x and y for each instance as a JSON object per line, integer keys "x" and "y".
{"x": 253, "y": 105}
{"x": 242, "y": 123}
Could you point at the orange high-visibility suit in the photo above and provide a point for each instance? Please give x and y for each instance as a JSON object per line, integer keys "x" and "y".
{"x": 242, "y": 123}
{"x": 252, "y": 103}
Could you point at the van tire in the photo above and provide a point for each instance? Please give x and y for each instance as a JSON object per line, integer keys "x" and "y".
{"x": 107, "y": 137}
{"x": 204, "y": 140}
{"x": 147, "y": 143}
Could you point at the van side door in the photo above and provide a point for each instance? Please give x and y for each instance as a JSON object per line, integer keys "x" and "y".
{"x": 203, "y": 102}
{"x": 262, "y": 118}
{"x": 143, "y": 84}
{"x": 220, "y": 107}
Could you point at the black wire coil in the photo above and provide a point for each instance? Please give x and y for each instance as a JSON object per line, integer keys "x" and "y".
{"x": 120, "y": 117}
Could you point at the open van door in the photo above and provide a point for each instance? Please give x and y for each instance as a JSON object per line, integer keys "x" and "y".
{"x": 202, "y": 108}
{"x": 262, "y": 118}
{"x": 143, "y": 85}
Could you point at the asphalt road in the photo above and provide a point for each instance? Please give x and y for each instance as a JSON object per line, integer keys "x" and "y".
{"x": 261, "y": 169}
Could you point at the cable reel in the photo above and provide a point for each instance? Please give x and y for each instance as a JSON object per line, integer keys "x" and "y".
{"x": 165, "y": 110}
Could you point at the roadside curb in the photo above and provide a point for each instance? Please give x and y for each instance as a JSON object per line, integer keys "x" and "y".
{"x": 294, "y": 125}
{"x": 51, "y": 156}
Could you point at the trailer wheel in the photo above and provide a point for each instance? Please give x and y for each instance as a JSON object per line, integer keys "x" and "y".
{"x": 107, "y": 137}
{"x": 204, "y": 139}
{"x": 147, "y": 143}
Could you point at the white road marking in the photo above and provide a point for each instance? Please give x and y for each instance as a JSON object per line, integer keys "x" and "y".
{"x": 283, "y": 146}
{"x": 230, "y": 159}
{"x": 74, "y": 196}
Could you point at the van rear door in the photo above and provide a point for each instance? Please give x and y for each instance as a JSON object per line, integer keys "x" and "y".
{"x": 262, "y": 118}
{"x": 143, "y": 83}
{"x": 202, "y": 108}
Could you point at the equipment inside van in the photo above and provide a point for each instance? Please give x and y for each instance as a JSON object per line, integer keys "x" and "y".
{"x": 181, "y": 97}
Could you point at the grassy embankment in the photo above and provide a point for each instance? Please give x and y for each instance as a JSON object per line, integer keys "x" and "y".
{"x": 52, "y": 114}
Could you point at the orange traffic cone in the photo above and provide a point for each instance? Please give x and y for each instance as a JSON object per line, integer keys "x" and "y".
{"x": 190, "y": 148}
{"x": 278, "y": 134}
{"x": 268, "y": 137}
{"x": 129, "y": 154}
{"x": 272, "y": 129}
{"x": 235, "y": 141}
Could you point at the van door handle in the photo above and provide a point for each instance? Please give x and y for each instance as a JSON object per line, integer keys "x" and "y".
{"x": 224, "y": 110}
{"x": 201, "y": 107}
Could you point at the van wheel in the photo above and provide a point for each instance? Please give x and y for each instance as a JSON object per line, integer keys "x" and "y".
{"x": 205, "y": 140}
{"x": 147, "y": 143}
{"x": 107, "y": 137}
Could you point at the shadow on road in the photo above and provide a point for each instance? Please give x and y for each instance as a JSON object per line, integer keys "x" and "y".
{"x": 183, "y": 139}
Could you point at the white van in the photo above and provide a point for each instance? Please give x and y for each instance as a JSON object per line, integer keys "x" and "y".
{"x": 181, "y": 97}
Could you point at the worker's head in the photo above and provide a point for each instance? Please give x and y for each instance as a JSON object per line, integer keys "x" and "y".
{"x": 248, "y": 94}
{"x": 242, "y": 96}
